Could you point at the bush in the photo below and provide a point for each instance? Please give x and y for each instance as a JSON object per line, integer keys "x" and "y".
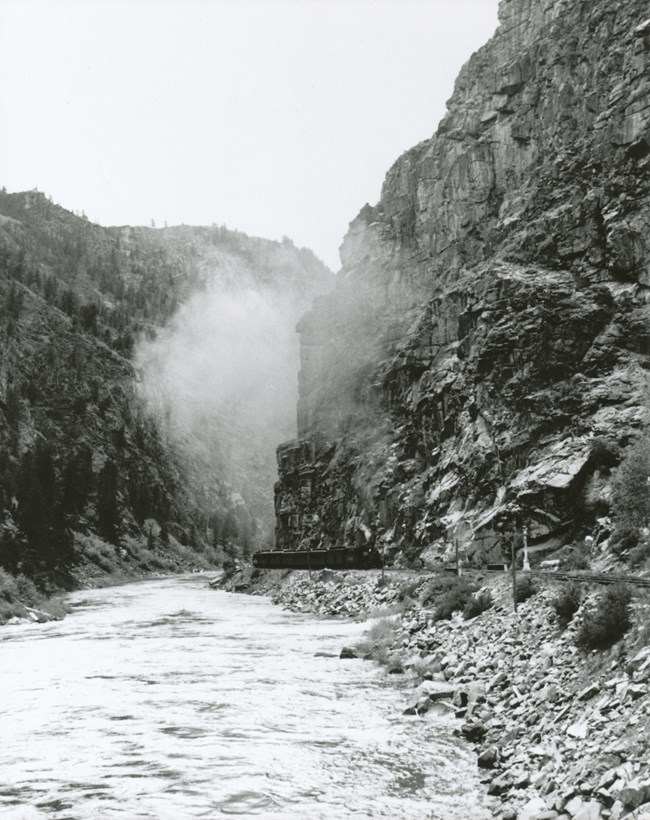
{"x": 607, "y": 620}
{"x": 631, "y": 544}
{"x": 15, "y": 594}
{"x": 8, "y": 591}
{"x": 454, "y": 599}
{"x": 604, "y": 453}
{"x": 574, "y": 558}
{"x": 639, "y": 555}
{"x": 379, "y": 640}
{"x": 27, "y": 592}
{"x": 624, "y": 539}
{"x": 14, "y": 589}
{"x": 526, "y": 588}
{"x": 630, "y": 489}
{"x": 407, "y": 590}
{"x": 478, "y": 603}
{"x": 566, "y": 603}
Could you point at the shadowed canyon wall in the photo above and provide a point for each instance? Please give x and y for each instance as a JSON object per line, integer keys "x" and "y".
{"x": 490, "y": 321}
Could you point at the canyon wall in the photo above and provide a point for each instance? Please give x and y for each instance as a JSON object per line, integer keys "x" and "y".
{"x": 485, "y": 349}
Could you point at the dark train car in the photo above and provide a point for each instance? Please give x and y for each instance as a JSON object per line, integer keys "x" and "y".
{"x": 335, "y": 558}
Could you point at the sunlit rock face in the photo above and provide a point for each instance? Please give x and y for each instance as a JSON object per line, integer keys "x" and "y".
{"x": 490, "y": 317}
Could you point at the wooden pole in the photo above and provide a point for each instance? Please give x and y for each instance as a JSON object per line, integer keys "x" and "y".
{"x": 526, "y": 561}
{"x": 457, "y": 560}
{"x": 514, "y": 573}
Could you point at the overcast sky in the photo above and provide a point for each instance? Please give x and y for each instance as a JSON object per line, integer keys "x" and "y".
{"x": 275, "y": 117}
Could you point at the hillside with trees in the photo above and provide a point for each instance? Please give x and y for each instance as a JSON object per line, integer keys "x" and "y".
{"x": 90, "y": 479}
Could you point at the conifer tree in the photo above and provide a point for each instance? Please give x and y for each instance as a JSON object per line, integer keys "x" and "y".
{"x": 108, "y": 513}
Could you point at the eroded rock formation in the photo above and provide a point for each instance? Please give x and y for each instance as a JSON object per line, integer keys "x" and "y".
{"x": 491, "y": 317}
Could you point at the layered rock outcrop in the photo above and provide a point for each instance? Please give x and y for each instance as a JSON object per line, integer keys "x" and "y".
{"x": 490, "y": 320}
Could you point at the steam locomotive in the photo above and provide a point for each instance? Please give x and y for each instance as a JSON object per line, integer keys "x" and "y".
{"x": 334, "y": 558}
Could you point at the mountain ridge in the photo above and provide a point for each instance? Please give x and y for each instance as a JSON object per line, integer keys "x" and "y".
{"x": 116, "y": 483}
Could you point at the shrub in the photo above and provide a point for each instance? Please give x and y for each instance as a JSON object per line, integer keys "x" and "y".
{"x": 630, "y": 489}
{"x": 526, "y": 588}
{"x": 575, "y": 557}
{"x": 604, "y": 452}
{"x": 630, "y": 543}
{"x": 639, "y": 555}
{"x": 15, "y": 594}
{"x": 478, "y": 603}
{"x": 407, "y": 590}
{"x": 8, "y": 591}
{"x": 229, "y": 567}
{"x": 56, "y": 607}
{"x": 379, "y": 640}
{"x": 27, "y": 592}
{"x": 454, "y": 599}
{"x": 8, "y": 611}
{"x": 566, "y": 603}
{"x": 14, "y": 589}
{"x": 607, "y": 620}
{"x": 624, "y": 539}
{"x": 438, "y": 585}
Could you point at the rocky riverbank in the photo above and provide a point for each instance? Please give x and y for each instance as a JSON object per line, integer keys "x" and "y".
{"x": 559, "y": 732}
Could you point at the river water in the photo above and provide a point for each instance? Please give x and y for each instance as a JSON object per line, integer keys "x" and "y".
{"x": 167, "y": 699}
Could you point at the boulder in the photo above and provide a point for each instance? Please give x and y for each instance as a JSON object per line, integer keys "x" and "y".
{"x": 633, "y": 796}
{"x": 418, "y": 706}
{"x": 501, "y": 784}
{"x": 578, "y": 730}
{"x": 536, "y": 809}
{"x": 474, "y": 732}
{"x": 498, "y": 680}
{"x": 348, "y": 653}
{"x": 639, "y": 660}
{"x": 636, "y": 691}
{"x": 435, "y": 690}
{"x": 590, "y": 810}
{"x": 591, "y": 691}
{"x": 488, "y": 758}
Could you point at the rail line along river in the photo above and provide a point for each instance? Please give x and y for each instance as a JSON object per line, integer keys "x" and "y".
{"x": 166, "y": 699}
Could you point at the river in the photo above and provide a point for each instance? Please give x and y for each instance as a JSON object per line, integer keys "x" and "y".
{"x": 167, "y": 699}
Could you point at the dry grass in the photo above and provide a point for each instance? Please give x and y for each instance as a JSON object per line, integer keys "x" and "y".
{"x": 380, "y": 641}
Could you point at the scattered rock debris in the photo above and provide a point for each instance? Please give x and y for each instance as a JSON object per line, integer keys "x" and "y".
{"x": 559, "y": 734}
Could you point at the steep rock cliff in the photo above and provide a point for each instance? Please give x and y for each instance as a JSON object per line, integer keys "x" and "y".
{"x": 490, "y": 321}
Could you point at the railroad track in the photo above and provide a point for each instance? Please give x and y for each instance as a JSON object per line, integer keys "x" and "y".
{"x": 594, "y": 578}
{"x": 551, "y": 575}
{"x": 558, "y": 575}
{"x": 583, "y": 577}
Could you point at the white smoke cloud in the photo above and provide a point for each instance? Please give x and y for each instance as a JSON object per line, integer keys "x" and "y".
{"x": 223, "y": 376}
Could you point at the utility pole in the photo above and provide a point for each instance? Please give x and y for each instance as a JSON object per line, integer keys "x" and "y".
{"x": 514, "y": 572}
{"x": 526, "y": 561}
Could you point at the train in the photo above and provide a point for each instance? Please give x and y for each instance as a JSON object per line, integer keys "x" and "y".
{"x": 333, "y": 558}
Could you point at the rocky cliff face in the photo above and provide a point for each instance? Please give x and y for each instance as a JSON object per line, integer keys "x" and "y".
{"x": 490, "y": 321}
